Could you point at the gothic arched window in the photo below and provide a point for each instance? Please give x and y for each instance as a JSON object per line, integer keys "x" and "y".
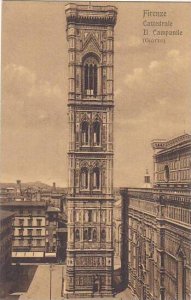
{"x": 84, "y": 179}
{"x": 86, "y": 216}
{"x": 94, "y": 216}
{"x": 103, "y": 235}
{"x": 90, "y": 213}
{"x": 103, "y": 216}
{"x": 77, "y": 235}
{"x": 96, "y": 133}
{"x": 85, "y": 235}
{"x": 94, "y": 235}
{"x": 90, "y": 76}
{"x": 78, "y": 215}
{"x": 85, "y": 133}
{"x": 96, "y": 178}
{"x": 88, "y": 234}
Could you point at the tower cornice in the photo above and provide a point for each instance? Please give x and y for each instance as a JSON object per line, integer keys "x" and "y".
{"x": 90, "y": 14}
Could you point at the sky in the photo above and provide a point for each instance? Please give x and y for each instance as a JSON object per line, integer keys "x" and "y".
{"x": 152, "y": 90}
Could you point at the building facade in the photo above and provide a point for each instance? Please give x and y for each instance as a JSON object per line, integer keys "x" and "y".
{"x": 6, "y": 231}
{"x": 90, "y": 35}
{"x": 157, "y": 260}
{"x": 117, "y": 224}
{"x": 29, "y": 229}
{"x": 51, "y": 232}
{"x": 34, "y": 230}
{"x": 172, "y": 162}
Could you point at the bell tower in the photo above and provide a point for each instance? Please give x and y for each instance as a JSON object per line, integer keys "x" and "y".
{"x": 90, "y": 36}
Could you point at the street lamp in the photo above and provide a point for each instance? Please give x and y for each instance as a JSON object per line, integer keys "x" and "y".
{"x": 51, "y": 269}
{"x": 62, "y": 288}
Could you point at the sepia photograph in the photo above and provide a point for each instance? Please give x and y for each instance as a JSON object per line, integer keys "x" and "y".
{"x": 95, "y": 155}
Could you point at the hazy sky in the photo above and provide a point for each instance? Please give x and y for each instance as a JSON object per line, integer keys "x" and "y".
{"x": 152, "y": 90}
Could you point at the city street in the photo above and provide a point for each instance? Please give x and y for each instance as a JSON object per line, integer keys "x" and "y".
{"x": 39, "y": 288}
{"x": 126, "y": 295}
{"x": 40, "y": 285}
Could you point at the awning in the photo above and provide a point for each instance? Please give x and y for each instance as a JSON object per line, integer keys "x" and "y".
{"x": 27, "y": 254}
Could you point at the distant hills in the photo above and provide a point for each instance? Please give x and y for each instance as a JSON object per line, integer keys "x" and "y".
{"x": 38, "y": 185}
{"x": 34, "y": 185}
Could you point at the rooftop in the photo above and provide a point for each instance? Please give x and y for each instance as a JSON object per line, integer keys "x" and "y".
{"x": 23, "y": 203}
{"x": 162, "y": 144}
{"x": 5, "y": 214}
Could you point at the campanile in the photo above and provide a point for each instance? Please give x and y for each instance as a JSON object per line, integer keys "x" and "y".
{"x": 90, "y": 36}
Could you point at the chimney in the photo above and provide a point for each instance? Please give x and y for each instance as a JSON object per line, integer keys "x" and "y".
{"x": 54, "y": 186}
{"x": 18, "y": 187}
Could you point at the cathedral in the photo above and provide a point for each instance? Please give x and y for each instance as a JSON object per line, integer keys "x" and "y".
{"x": 156, "y": 226}
{"x": 90, "y": 36}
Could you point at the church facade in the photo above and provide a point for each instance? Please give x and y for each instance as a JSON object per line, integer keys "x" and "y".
{"x": 90, "y": 36}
